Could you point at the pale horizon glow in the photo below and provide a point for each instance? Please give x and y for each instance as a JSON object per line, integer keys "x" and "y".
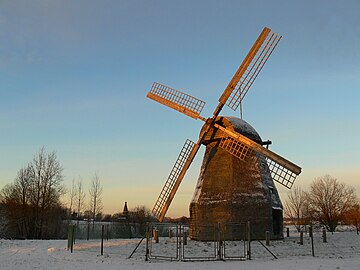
{"x": 74, "y": 77}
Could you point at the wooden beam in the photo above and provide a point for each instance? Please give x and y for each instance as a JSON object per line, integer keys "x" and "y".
{"x": 265, "y": 152}
{"x": 173, "y": 105}
{"x": 241, "y": 70}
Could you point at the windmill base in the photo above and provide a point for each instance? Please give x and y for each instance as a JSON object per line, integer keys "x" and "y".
{"x": 231, "y": 192}
{"x": 230, "y": 220}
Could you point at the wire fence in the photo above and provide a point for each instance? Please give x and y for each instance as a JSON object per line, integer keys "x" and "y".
{"x": 105, "y": 237}
{"x": 172, "y": 242}
{"x": 112, "y": 230}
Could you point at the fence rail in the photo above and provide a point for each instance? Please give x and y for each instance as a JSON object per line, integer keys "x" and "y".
{"x": 171, "y": 242}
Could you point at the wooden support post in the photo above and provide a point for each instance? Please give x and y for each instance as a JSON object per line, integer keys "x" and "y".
{"x": 69, "y": 237}
{"x": 75, "y": 231}
{"x": 267, "y": 238}
{"x": 220, "y": 243}
{"x": 312, "y": 240}
{"x": 170, "y": 233}
{"x": 324, "y": 235}
{"x": 156, "y": 235}
{"x": 249, "y": 240}
{"x": 88, "y": 231}
{"x": 184, "y": 238}
{"x": 102, "y": 240}
{"x": 72, "y": 237}
{"x": 287, "y": 232}
{"x": 148, "y": 232}
{"x": 301, "y": 237}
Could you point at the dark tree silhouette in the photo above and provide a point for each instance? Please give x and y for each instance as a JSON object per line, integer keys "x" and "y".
{"x": 329, "y": 200}
{"x": 295, "y": 208}
{"x": 32, "y": 202}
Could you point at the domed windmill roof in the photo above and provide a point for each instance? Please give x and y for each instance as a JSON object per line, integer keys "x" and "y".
{"x": 234, "y": 124}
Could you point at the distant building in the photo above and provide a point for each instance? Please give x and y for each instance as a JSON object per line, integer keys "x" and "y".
{"x": 125, "y": 210}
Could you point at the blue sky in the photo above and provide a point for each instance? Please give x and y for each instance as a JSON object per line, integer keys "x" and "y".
{"x": 74, "y": 77}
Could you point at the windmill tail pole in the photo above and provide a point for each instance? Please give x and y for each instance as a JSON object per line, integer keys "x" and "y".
{"x": 132, "y": 253}
{"x": 268, "y": 249}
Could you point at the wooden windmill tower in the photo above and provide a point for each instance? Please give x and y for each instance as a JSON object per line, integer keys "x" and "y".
{"x": 237, "y": 174}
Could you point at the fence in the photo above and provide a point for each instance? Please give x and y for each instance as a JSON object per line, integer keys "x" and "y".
{"x": 112, "y": 230}
{"x": 171, "y": 242}
{"x": 118, "y": 238}
{"x": 178, "y": 246}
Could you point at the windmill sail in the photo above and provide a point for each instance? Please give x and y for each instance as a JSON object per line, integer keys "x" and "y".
{"x": 235, "y": 147}
{"x": 177, "y": 173}
{"x": 281, "y": 174}
{"x": 176, "y": 100}
{"x": 253, "y": 70}
{"x": 282, "y": 170}
{"x": 250, "y": 68}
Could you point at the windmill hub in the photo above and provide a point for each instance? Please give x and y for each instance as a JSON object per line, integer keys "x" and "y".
{"x": 231, "y": 123}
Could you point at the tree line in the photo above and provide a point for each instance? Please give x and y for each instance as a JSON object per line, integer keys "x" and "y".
{"x": 31, "y": 206}
{"x": 328, "y": 202}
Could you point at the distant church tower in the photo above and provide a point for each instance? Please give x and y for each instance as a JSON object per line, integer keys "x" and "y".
{"x": 125, "y": 210}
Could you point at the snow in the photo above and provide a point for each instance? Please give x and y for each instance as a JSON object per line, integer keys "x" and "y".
{"x": 342, "y": 251}
{"x": 244, "y": 128}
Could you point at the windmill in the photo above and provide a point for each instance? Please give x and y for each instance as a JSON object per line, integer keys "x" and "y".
{"x": 228, "y": 139}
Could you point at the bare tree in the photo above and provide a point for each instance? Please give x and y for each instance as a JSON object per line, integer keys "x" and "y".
{"x": 352, "y": 216}
{"x": 95, "y": 193}
{"x": 329, "y": 200}
{"x": 48, "y": 186}
{"x": 140, "y": 215}
{"x": 295, "y": 208}
{"x": 72, "y": 197}
{"x": 31, "y": 200}
{"x": 80, "y": 199}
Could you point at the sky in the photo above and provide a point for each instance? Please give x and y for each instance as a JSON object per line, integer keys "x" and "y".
{"x": 74, "y": 77}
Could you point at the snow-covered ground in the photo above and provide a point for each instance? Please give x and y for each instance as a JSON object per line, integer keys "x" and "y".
{"x": 342, "y": 251}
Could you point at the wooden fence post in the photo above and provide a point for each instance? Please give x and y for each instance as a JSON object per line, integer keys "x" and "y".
{"x": 267, "y": 238}
{"x": 69, "y": 237}
{"x": 102, "y": 240}
{"x": 148, "y": 232}
{"x": 248, "y": 230}
{"x": 88, "y": 231}
{"x": 185, "y": 238}
{"x": 311, "y": 233}
{"x": 72, "y": 237}
{"x": 324, "y": 235}
{"x": 156, "y": 235}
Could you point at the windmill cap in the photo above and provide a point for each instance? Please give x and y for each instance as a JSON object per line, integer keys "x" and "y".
{"x": 234, "y": 124}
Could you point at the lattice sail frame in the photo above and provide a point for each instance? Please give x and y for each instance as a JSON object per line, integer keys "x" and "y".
{"x": 176, "y": 100}
{"x": 282, "y": 170}
{"x": 236, "y": 148}
{"x": 243, "y": 152}
{"x": 253, "y": 70}
{"x": 280, "y": 174}
{"x": 174, "y": 174}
